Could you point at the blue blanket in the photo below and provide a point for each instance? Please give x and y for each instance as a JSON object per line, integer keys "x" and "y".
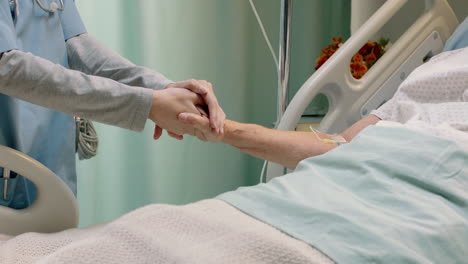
{"x": 392, "y": 195}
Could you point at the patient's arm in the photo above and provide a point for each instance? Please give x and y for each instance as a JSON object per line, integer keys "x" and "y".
{"x": 357, "y": 127}
{"x": 284, "y": 147}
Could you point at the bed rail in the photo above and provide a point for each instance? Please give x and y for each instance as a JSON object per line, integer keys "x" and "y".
{"x": 55, "y": 208}
{"x": 349, "y": 98}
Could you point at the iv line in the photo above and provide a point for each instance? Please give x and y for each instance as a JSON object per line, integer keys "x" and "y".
{"x": 267, "y": 40}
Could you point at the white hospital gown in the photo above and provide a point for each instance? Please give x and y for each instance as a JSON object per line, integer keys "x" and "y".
{"x": 434, "y": 98}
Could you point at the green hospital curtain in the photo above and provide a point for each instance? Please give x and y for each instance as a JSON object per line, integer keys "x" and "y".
{"x": 312, "y": 31}
{"x": 216, "y": 40}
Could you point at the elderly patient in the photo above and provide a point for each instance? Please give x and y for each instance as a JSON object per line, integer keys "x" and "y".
{"x": 396, "y": 193}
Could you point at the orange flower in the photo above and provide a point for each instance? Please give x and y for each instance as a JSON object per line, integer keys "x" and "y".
{"x": 366, "y": 48}
{"x": 358, "y": 70}
{"x": 328, "y": 51}
{"x": 377, "y": 51}
{"x": 337, "y": 41}
{"x": 362, "y": 61}
{"x": 357, "y": 58}
{"x": 371, "y": 59}
{"x": 321, "y": 60}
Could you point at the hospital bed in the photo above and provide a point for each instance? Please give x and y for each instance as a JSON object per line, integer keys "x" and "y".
{"x": 56, "y": 208}
{"x": 351, "y": 99}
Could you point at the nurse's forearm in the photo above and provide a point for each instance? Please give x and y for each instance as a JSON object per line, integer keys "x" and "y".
{"x": 284, "y": 147}
{"x": 39, "y": 81}
{"x": 88, "y": 55}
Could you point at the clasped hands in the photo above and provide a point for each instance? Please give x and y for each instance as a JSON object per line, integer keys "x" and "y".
{"x": 188, "y": 107}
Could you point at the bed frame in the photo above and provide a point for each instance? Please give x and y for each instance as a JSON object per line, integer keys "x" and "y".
{"x": 56, "y": 209}
{"x": 351, "y": 99}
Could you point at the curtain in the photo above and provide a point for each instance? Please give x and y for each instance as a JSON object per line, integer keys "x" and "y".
{"x": 216, "y": 40}
{"x": 315, "y": 23}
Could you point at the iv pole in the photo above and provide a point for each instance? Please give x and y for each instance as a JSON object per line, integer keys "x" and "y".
{"x": 283, "y": 72}
{"x": 284, "y": 56}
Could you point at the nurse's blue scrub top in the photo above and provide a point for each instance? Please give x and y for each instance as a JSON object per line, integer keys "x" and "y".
{"x": 45, "y": 135}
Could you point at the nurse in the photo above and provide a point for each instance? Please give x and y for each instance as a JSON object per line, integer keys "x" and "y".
{"x": 47, "y": 61}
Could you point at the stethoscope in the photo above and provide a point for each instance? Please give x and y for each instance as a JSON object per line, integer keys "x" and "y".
{"x": 53, "y": 6}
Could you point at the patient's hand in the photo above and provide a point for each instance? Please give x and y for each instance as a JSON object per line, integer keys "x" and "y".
{"x": 201, "y": 126}
{"x": 205, "y": 90}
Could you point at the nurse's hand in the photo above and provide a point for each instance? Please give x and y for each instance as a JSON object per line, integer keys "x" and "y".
{"x": 205, "y": 89}
{"x": 168, "y": 103}
{"x": 201, "y": 126}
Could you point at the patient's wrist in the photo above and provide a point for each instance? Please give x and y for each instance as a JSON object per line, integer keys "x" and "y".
{"x": 233, "y": 132}
{"x": 229, "y": 127}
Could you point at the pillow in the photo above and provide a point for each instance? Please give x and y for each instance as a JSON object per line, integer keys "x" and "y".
{"x": 459, "y": 39}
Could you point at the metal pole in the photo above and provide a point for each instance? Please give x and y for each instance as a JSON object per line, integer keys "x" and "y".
{"x": 284, "y": 56}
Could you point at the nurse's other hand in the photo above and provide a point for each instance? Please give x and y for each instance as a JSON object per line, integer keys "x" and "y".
{"x": 166, "y": 106}
{"x": 205, "y": 90}
{"x": 201, "y": 127}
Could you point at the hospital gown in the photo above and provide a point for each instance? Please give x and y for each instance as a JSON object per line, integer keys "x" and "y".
{"x": 434, "y": 100}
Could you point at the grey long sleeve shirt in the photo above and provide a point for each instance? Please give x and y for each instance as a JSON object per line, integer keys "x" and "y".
{"x": 88, "y": 55}
{"x": 39, "y": 81}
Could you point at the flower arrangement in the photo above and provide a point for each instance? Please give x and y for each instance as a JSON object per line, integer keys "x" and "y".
{"x": 366, "y": 57}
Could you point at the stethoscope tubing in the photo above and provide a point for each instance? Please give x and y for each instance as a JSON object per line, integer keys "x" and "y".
{"x": 42, "y": 7}
{"x": 51, "y": 9}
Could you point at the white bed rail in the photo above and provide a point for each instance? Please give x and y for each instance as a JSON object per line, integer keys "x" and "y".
{"x": 55, "y": 208}
{"x": 349, "y": 98}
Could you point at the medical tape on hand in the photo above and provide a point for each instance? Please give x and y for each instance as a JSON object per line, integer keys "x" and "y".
{"x": 334, "y": 139}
